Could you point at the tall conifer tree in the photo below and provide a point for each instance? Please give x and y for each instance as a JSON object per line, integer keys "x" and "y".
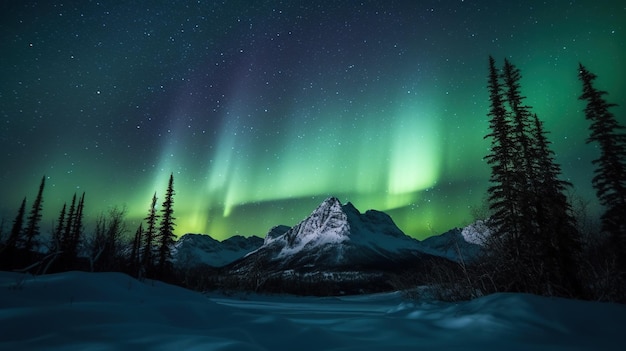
{"x": 77, "y": 228}
{"x": 32, "y": 228}
{"x": 135, "y": 253}
{"x": 560, "y": 242}
{"x": 610, "y": 175}
{"x": 66, "y": 239}
{"x": 58, "y": 232}
{"x": 501, "y": 192}
{"x": 523, "y": 143}
{"x": 166, "y": 229}
{"x": 149, "y": 237}
{"x": 510, "y": 193}
{"x": 7, "y": 254}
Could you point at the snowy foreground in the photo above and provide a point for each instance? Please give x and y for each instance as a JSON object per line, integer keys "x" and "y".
{"x": 112, "y": 311}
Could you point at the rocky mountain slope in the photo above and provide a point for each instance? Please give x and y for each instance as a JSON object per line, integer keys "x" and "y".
{"x": 337, "y": 237}
{"x": 197, "y": 249}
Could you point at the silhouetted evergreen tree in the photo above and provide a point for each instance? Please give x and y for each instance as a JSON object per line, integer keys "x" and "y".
{"x": 57, "y": 236}
{"x": 610, "y": 175}
{"x": 522, "y": 143}
{"x": 77, "y": 230}
{"x": 507, "y": 196}
{"x": 502, "y": 192}
{"x": 135, "y": 253}
{"x": 69, "y": 224}
{"x": 560, "y": 241}
{"x": 166, "y": 231}
{"x": 149, "y": 238}
{"x": 10, "y": 246}
{"x": 526, "y": 251}
{"x": 32, "y": 228}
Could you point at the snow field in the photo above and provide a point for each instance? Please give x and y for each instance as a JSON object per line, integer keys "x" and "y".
{"x": 112, "y": 311}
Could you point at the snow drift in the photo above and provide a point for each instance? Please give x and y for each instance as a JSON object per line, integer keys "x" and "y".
{"x": 112, "y": 311}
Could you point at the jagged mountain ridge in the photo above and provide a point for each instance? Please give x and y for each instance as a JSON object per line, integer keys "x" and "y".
{"x": 198, "y": 249}
{"x": 337, "y": 237}
{"x": 332, "y": 229}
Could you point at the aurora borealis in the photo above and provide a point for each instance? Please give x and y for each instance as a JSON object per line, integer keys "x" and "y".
{"x": 261, "y": 109}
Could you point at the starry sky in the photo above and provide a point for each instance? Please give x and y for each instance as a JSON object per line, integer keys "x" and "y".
{"x": 262, "y": 109}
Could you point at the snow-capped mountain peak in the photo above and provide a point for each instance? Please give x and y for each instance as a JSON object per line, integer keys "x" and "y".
{"x": 336, "y": 235}
{"x": 328, "y": 224}
{"x": 333, "y": 235}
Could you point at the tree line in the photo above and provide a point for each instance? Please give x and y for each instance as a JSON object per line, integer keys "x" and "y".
{"x": 535, "y": 244}
{"x": 148, "y": 254}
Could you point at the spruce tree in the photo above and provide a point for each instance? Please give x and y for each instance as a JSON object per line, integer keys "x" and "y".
{"x": 521, "y": 116}
{"x": 77, "y": 229}
{"x": 166, "y": 230}
{"x": 559, "y": 239}
{"x": 504, "y": 245}
{"x": 522, "y": 142}
{"x": 509, "y": 196}
{"x": 32, "y": 228}
{"x": 66, "y": 238}
{"x": 58, "y": 232}
{"x": 10, "y": 246}
{"x": 610, "y": 175}
{"x": 149, "y": 237}
{"x": 135, "y": 253}
{"x": 501, "y": 192}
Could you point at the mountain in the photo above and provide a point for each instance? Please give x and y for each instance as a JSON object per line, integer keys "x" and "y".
{"x": 337, "y": 237}
{"x": 334, "y": 235}
{"x": 455, "y": 244}
{"x": 335, "y": 250}
{"x": 198, "y": 249}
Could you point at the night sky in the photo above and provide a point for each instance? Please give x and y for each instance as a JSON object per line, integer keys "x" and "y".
{"x": 261, "y": 109}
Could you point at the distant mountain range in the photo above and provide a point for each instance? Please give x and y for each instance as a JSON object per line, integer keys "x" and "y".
{"x": 334, "y": 239}
{"x": 199, "y": 249}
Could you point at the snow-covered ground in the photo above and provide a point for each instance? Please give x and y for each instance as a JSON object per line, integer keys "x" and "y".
{"x": 112, "y": 311}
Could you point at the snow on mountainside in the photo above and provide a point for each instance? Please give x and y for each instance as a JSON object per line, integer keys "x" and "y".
{"x": 194, "y": 249}
{"x": 325, "y": 237}
{"x": 476, "y": 233}
{"x": 327, "y": 225}
{"x": 335, "y": 236}
{"x": 276, "y": 232}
